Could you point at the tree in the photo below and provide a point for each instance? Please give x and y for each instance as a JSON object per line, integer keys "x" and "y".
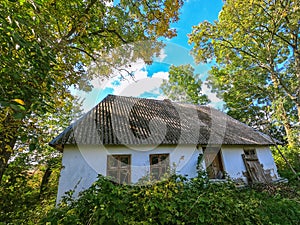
{"x": 184, "y": 86}
{"x": 29, "y": 184}
{"x": 47, "y": 46}
{"x": 255, "y": 45}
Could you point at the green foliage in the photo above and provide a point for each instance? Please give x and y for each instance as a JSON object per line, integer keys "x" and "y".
{"x": 29, "y": 184}
{"x": 46, "y": 47}
{"x": 292, "y": 154}
{"x": 21, "y": 201}
{"x": 184, "y": 86}
{"x": 256, "y": 63}
{"x": 176, "y": 200}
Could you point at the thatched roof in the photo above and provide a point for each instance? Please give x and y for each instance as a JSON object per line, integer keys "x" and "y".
{"x": 119, "y": 120}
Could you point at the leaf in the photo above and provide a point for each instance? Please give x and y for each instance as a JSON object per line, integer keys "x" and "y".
{"x": 20, "y": 101}
{"x": 32, "y": 146}
{"x": 22, "y": 2}
{"x": 18, "y": 116}
{"x": 17, "y": 107}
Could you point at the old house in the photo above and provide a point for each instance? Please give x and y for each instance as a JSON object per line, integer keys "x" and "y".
{"x": 128, "y": 138}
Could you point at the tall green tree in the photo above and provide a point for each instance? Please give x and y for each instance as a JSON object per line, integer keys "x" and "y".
{"x": 29, "y": 184}
{"x": 255, "y": 48}
{"x": 184, "y": 86}
{"x": 46, "y": 46}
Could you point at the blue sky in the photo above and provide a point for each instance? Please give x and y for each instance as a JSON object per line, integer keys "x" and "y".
{"x": 177, "y": 51}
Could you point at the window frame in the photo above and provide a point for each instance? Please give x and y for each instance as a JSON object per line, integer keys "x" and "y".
{"x": 162, "y": 165}
{"x": 118, "y": 168}
{"x": 211, "y": 169}
{"x": 250, "y": 153}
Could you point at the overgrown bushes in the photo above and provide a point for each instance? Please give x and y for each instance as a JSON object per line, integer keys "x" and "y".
{"x": 21, "y": 201}
{"x": 177, "y": 200}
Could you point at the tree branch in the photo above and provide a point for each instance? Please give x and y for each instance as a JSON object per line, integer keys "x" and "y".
{"x": 239, "y": 49}
{"x": 118, "y": 35}
{"x": 286, "y": 89}
{"x": 84, "y": 51}
{"x": 277, "y": 35}
{"x": 86, "y": 11}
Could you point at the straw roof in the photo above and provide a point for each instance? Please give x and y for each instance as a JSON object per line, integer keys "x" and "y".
{"x": 119, "y": 120}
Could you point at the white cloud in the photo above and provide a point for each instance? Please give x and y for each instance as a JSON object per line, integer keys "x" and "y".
{"x": 214, "y": 100}
{"x": 130, "y": 86}
{"x": 140, "y": 87}
{"x": 135, "y": 68}
{"x": 140, "y": 84}
{"x": 162, "y": 55}
{"x": 162, "y": 75}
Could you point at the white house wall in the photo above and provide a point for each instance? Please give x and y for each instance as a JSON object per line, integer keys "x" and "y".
{"x": 234, "y": 165}
{"x": 76, "y": 173}
{"x": 266, "y": 159}
{"x": 82, "y": 164}
{"x": 233, "y": 162}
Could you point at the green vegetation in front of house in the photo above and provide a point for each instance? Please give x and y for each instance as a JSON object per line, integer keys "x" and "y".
{"x": 177, "y": 200}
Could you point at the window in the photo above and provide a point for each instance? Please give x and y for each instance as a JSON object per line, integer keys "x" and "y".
{"x": 213, "y": 162}
{"x": 250, "y": 153}
{"x": 118, "y": 167}
{"x": 159, "y": 165}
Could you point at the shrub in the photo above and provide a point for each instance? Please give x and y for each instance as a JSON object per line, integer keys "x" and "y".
{"x": 177, "y": 200}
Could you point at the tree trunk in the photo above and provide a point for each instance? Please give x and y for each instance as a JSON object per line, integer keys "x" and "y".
{"x": 45, "y": 180}
{"x": 296, "y": 52}
{"x": 286, "y": 123}
{"x": 298, "y": 111}
{"x": 288, "y": 131}
{"x": 287, "y": 162}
